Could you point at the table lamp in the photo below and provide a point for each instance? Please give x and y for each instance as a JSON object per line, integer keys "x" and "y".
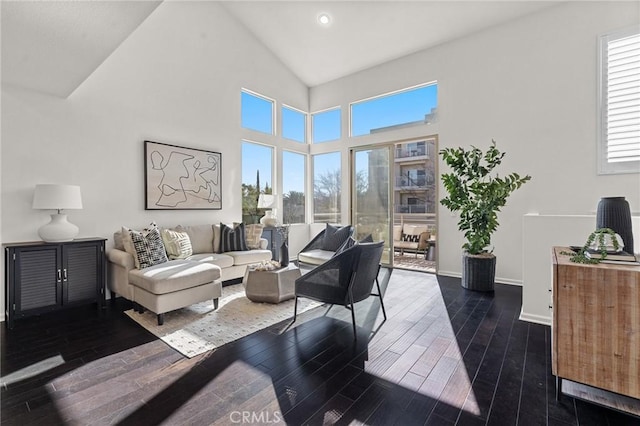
{"x": 267, "y": 201}
{"x": 57, "y": 197}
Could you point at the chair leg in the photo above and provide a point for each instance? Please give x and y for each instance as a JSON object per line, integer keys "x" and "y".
{"x": 295, "y": 311}
{"x": 353, "y": 316}
{"x": 384, "y": 313}
{"x": 160, "y": 319}
{"x": 215, "y": 303}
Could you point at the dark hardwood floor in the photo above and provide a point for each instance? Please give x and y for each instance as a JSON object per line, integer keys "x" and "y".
{"x": 445, "y": 356}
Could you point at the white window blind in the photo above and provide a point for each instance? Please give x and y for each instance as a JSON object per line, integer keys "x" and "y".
{"x": 620, "y": 103}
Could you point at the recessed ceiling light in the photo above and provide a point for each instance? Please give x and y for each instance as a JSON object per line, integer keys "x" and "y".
{"x": 324, "y": 19}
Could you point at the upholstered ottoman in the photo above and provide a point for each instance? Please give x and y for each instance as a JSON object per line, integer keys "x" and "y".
{"x": 175, "y": 284}
{"x": 271, "y": 286}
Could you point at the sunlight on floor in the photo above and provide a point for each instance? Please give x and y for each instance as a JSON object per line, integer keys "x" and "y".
{"x": 32, "y": 370}
{"x": 437, "y": 368}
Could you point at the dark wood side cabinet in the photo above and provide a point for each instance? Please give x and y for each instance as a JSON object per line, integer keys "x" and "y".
{"x": 274, "y": 240}
{"x": 43, "y": 277}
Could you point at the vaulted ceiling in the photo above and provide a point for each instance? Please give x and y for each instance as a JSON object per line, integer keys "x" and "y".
{"x": 54, "y": 46}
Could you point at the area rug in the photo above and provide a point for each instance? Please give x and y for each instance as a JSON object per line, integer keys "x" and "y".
{"x": 199, "y": 328}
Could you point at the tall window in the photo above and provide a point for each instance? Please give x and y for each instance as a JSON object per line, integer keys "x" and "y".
{"x": 326, "y": 187}
{"x": 325, "y": 125}
{"x": 257, "y": 178}
{"x": 293, "y": 187}
{"x": 619, "y": 103}
{"x": 399, "y": 109}
{"x": 257, "y": 112}
{"x": 294, "y": 124}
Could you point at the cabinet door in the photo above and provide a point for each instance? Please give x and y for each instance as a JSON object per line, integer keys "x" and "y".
{"x": 37, "y": 278}
{"x": 81, "y": 272}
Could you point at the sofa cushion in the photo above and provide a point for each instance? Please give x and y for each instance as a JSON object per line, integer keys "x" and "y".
{"x": 174, "y": 275}
{"x": 201, "y": 237}
{"x": 232, "y": 239}
{"x": 253, "y": 234}
{"x": 315, "y": 256}
{"x": 222, "y": 260}
{"x": 177, "y": 243}
{"x": 335, "y": 236}
{"x": 147, "y": 246}
{"x": 118, "y": 240}
{"x": 249, "y": 256}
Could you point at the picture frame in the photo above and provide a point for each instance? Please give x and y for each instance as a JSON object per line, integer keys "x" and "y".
{"x": 181, "y": 178}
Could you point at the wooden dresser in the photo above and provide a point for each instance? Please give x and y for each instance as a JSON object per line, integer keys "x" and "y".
{"x": 596, "y": 324}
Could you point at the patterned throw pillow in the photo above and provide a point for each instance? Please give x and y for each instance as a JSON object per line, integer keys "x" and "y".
{"x": 177, "y": 244}
{"x": 148, "y": 246}
{"x": 232, "y": 239}
{"x": 253, "y": 233}
{"x": 335, "y": 236}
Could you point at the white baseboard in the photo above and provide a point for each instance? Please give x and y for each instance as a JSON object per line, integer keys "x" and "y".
{"x": 538, "y": 319}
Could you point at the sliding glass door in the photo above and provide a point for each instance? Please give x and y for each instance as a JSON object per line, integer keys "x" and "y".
{"x": 371, "y": 195}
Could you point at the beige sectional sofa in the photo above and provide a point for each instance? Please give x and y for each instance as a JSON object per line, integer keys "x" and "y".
{"x": 180, "y": 282}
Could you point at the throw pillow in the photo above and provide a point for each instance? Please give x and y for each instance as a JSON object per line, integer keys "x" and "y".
{"x": 335, "y": 236}
{"x": 148, "y": 246}
{"x": 367, "y": 239}
{"x": 253, "y": 233}
{"x": 232, "y": 239}
{"x": 345, "y": 246}
{"x": 177, "y": 244}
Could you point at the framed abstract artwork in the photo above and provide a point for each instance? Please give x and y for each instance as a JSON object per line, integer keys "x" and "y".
{"x": 178, "y": 178}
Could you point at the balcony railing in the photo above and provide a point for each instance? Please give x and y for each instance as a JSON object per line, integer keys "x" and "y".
{"x": 406, "y": 181}
{"x": 405, "y": 152}
{"x": 411, "y": 208}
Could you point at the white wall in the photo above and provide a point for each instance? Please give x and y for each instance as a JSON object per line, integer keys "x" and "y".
{"x": 531, "y": 86}
{"x": 177, "y": 80}
{"x": 541, "y": 232}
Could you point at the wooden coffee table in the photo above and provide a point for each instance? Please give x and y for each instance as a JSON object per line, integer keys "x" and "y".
{"x": 271, "y": 286}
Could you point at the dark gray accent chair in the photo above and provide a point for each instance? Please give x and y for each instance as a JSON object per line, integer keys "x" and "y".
{"x": 345, "y": 279}
{"x": 314, "y": 253}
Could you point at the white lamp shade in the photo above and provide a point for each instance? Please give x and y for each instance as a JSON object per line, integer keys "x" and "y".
{"x": 266, "y": 201}
{"x": 57, "y": 197}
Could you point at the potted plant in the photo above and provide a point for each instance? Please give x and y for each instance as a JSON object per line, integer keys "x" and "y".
{"x": 478, "y": 196}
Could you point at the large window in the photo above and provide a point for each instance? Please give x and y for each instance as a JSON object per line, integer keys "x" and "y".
{"x": 325, "y": 125}
{"x": 294, "y": 124}
{"x": 408, "y": 107}
{"x": 257, "y": 178}
{"x": 326, "y": 187}
{"x": 257, "y": 112}
{"x": 619, "y": 103}
{"x": 293, "y": 187}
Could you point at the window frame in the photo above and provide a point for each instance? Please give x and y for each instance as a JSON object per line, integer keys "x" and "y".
{"x": 384, "y": 95}
{"x": 322, "y": 111}
{"x": 305, "y": 116}
{"x": 305, "y": 160}
{"x": 273, "y": 111}
{"x": 273, "y": 176}
{"x": 314, "y": 212}
{"x": 605, "y": 167}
